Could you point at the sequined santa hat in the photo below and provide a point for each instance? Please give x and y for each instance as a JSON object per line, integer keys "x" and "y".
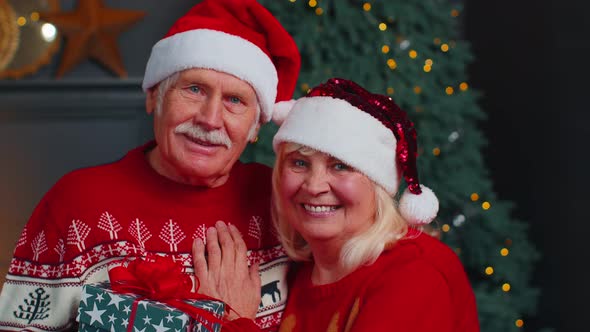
{"x": 366, "y": 131}
{"x": 238, "y": 37}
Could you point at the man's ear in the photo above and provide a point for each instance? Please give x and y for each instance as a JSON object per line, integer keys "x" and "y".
{"x": 254, "y": 137}
{"x": 151, "y": 98}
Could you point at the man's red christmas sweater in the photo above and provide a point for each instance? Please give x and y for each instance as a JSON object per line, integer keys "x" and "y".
{"x": 94, "y": 216}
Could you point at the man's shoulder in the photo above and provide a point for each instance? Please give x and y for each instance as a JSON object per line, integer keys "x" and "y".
{"x": 255, "y": 168}
{"x": 253, "y": 172}
{"x": 251, "y": 181}
{"x": 108, "y": 172}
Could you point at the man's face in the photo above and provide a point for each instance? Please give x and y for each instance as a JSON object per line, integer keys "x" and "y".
{"x": 202, "y": 126}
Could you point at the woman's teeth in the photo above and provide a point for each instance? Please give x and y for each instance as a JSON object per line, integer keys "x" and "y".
{"x": 319, "y": 208}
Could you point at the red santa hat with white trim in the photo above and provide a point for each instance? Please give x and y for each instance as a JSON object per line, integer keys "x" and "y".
{"x": 238, "y": 37}
{"x": 367, "y": 131}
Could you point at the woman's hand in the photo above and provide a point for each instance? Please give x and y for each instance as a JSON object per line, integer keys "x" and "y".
{"x": 224, "y": 273}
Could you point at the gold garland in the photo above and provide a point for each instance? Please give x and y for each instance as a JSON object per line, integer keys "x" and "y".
{"x": 9, "y": 34}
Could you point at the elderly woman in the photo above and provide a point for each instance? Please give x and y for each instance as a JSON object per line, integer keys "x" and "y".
{"x": 361, "y": 262}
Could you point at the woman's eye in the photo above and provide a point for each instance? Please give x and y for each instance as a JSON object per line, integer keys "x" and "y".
{"x": 298, "y": 163}
{"x": 194, "y": 89}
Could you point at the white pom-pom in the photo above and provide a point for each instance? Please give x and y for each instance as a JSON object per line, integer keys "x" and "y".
{"x": 419, "y": 209}
{"x": 281, "y": 110}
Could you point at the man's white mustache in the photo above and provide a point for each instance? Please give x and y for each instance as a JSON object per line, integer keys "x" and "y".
{"x": 197, "y": 132}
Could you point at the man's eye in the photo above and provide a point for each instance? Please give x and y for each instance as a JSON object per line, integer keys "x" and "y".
{"x": 299, "y": 163}
{"x": 234, "y": 100}
{"x": 341, "y": 167}
{"x": 194, "y": 89}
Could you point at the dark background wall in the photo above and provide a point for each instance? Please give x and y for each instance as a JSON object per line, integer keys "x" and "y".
{"x": 531, "y": 66}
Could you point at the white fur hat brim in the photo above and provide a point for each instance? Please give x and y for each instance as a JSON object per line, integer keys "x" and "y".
{"x": 220, "y": 51}
{"x": 335, "y": 127}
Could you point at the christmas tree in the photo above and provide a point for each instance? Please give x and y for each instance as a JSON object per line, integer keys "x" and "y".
{"x": 412, "y": 51}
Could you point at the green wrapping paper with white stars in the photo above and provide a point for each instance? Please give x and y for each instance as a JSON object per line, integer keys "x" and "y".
{"x": 102, "y": 309}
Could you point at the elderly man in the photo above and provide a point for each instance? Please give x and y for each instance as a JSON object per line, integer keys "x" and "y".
{"x": 210, "y": 83}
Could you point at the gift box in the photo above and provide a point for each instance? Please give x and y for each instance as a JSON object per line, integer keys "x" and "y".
{"x": 102, "y": 309}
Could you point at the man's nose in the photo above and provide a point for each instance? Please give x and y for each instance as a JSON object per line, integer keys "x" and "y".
{"x": 210, "y": 114}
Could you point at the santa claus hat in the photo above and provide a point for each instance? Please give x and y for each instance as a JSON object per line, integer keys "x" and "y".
{"x": 366, "y": 131}
{"x": 238, "y": 37}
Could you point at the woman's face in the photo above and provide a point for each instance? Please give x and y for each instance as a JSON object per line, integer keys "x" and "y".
{"x": 323, "y": 198}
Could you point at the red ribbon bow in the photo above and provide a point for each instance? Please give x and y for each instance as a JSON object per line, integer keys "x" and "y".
{"x": 160, "y": 279}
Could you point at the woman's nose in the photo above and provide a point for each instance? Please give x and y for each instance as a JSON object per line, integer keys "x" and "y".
{"x": 317, "y": 181}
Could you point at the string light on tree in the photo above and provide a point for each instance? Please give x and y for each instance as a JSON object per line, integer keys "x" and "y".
{"x": 392, "y": 64}
{"x": 489, "y": 270}
{"x": 404, "y": 44}
{"x": 459, "y": 220}
{"x": 504, "y": 252}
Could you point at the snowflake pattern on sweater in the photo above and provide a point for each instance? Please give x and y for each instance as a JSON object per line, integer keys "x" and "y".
{"x": 96, "y": 216}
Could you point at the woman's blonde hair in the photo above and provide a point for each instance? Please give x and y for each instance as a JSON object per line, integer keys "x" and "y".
{"x": 365, "y": 248}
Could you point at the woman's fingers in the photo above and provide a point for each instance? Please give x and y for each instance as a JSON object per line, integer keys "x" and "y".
{"x": 199, "y": 260}
{"x": 241, "y": 257}
{"x": 226, "y": 271}
{"x": 200, "y": 264}
{"x": 255, "y": 276}
{"x": 228, "y": 250}
{"x": 213, "y": 253}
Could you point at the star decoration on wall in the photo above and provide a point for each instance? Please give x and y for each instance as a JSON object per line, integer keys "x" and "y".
{"x": 91, "y": 32}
